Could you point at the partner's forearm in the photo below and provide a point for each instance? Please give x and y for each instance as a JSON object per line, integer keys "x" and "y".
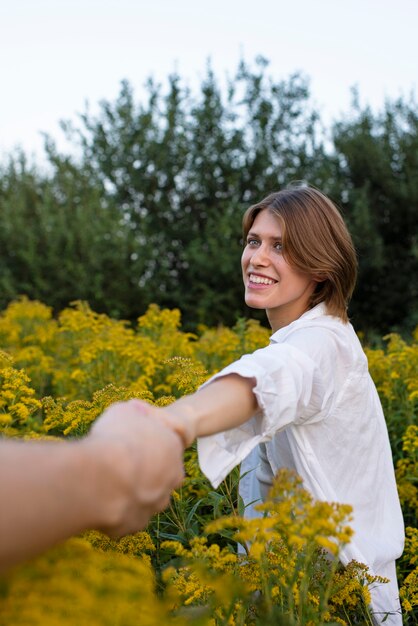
{"x": 224, "y": 404}
{"x": 50, "y": 494}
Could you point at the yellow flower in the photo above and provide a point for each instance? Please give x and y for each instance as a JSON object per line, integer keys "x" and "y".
{"x": 85, "y": 361}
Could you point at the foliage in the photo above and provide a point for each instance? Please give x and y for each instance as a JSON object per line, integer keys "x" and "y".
{"x": 77, "y": 584}
{"x": 376, "y": 160}
{"x": 58, "y": 374}
{"x": 61, "y": 237}
{"x": 150, "y": 210}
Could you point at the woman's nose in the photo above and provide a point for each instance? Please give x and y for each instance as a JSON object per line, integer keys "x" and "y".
{"x": 259, "y": 256}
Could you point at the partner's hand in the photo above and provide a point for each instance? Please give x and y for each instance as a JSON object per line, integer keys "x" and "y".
{"x": 176, "y": 416}
{"x": 143, "y": 464}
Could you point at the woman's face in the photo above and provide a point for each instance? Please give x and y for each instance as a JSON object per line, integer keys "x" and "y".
{"x": 270, "y": 282}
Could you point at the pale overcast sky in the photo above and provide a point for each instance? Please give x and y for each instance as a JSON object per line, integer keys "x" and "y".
{"x": 57, "y": 54}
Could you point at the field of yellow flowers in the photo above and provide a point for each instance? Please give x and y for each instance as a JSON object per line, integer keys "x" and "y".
{"x": 58, "y": 374}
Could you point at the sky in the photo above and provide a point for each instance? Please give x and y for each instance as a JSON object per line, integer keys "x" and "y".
{"x": 58, "y": 55}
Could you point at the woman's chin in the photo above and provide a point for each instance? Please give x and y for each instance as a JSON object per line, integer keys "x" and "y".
{"x": 254, "y": 303}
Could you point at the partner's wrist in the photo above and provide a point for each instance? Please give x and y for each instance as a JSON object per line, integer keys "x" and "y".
{"x": 105, "y": 462}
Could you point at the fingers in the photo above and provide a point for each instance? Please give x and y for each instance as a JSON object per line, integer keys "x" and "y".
{"x": 143, "y": 459}
{"x": 142, "y": 407}
{"x": 180, "y": 424}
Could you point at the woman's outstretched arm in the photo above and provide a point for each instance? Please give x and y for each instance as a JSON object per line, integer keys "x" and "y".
{"x": 223, "y": 404}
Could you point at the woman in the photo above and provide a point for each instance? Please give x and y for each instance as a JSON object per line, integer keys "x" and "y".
{"x": 307, "y": 400}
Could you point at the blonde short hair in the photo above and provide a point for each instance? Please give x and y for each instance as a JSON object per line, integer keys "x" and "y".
{"x": 315, "y": 241}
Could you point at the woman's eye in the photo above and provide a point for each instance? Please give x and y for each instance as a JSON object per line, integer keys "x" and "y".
{"x": 278, "y": 246}
{"x": 252, "y": 242}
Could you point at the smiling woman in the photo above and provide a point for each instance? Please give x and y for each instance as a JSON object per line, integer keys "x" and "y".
{"x": 313, "y": 239}
{"x": 270, "y": 282}
{"x": 306, "y": 401}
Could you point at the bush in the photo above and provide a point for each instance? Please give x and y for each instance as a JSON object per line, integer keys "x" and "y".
{"x": 58, "y": 375}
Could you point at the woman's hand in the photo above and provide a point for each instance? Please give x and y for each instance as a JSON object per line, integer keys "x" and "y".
{"x": 225, "y": 403}
{"x": 176, "y": 416}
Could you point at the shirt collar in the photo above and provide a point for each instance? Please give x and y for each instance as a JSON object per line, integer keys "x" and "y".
{"x": 317, "y": 311}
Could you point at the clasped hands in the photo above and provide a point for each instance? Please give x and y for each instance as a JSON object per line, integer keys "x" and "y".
{"x": 180, "y": 421}
{"x": 143, "y": 445}
{"x": 140, "y": 449}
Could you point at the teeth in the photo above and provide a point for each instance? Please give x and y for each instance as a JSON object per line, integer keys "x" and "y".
{"x": 260, "y": 280}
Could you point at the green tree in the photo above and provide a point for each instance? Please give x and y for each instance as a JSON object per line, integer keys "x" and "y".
{"x": 183, "y": 168}
{"x": 61, "y": 238}
{"x": 151, "y": 209}
{"x": 376, "y": 158}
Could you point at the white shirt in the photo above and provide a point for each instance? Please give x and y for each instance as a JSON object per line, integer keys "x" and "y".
{"x": 320, "y": 414}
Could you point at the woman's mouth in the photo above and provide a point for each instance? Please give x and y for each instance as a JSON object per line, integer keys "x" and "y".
{"x": 256, "y": 279}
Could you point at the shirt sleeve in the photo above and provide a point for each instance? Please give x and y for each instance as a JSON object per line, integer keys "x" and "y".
{"x": 289, "y": 388}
